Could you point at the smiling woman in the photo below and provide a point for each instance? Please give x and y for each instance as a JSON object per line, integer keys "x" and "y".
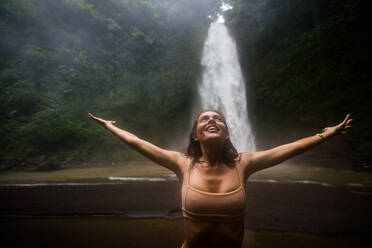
{"x": 213, "y": 128}
{"x": 213, "y": 175}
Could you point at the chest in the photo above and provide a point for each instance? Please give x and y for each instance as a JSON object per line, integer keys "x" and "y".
{"x": 214, "y": 180}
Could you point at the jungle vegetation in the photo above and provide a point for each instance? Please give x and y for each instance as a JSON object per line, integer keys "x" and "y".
{"x": 138, "y": 62}
{"x": 306, "y": 63}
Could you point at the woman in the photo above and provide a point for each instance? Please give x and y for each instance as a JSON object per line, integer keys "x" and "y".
{"x": 213, "y": 175}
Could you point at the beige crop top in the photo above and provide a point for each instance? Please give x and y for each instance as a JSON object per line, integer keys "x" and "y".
{"x": 208, "y": 206}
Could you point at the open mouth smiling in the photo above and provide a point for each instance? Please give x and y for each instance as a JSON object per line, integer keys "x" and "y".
{"x": 212, "y": 128}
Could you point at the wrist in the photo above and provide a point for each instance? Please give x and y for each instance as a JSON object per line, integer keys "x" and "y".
{"x": 328, "y": 134}
{"x": 320, "y": 135}
{"x": 108, "y": 125}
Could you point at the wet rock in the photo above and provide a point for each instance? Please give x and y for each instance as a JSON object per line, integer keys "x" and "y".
{"x": 42, "y": 163}
{"x": 12, "y": 164}
{"x": 362, "y": 166}
{"x": 45, "y": 164}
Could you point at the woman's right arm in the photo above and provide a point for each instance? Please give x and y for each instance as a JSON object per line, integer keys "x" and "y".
{"x": 169, "y": 159}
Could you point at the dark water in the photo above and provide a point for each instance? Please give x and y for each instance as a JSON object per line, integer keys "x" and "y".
{"x": 150, "y": 232}
{"x": 112, "y": 215}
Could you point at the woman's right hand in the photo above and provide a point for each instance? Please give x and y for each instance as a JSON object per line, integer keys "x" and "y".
{"x": 102, "y": 121}
{"x": 169, "y": 159}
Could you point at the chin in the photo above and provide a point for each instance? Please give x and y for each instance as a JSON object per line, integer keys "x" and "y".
{"x": 214, "y": 138}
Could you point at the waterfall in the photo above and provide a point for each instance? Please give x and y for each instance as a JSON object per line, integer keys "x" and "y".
{"x": 222, "y": 86}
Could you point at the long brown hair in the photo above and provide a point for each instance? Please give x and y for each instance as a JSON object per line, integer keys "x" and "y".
{"x": 229, "y": 152}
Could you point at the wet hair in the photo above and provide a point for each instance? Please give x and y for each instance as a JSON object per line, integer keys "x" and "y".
{"x": 229, "y": 152}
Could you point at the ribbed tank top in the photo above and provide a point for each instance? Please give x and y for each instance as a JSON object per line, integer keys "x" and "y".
{"x": 208, "y": 206}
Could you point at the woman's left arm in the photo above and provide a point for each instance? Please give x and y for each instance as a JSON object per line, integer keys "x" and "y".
{"x": 265, "y": 159}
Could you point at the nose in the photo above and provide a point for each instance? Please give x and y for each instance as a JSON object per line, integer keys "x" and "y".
{"x": 211, "y": 120}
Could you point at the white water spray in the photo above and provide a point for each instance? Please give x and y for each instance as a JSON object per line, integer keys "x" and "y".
{"x": 222, "y": 87}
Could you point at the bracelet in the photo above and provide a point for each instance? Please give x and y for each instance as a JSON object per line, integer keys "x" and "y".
{"x": 321, "y": 137}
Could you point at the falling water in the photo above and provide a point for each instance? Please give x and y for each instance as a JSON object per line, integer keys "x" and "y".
{"x": 222, "y": 87}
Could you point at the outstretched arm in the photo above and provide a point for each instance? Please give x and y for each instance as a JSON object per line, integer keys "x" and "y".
{"x": 166, "y": 158}
{"x": 265, "y": 159}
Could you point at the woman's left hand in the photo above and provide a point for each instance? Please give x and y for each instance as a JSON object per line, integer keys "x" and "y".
{"x": 340, "y": 128}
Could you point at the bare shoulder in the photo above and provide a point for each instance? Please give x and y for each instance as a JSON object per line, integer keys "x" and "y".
{"x": 183, "y": 162}
{"x": 245, "y": 163}
{"x": 245, "y": 158}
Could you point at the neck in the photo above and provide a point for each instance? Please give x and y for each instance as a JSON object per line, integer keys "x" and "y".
{"x": 211, "y": 153}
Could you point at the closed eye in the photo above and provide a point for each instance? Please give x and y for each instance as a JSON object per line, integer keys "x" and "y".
{"x": 204, "y": 118}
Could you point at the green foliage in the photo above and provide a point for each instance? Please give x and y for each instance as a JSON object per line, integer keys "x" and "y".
{"x": 306, "y": 63}
{"x": 133, "y": 61}
{"x": 137, "y": 62}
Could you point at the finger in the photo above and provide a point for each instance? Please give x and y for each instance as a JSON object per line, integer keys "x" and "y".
{"x": 347, "y": 123}
{"x": 96, "y": 118}
{"x": 99, "y": 119}
{"x": 343, "y": 132}
{"x": 347, "y": 127}
{"x": 346, "y": 118}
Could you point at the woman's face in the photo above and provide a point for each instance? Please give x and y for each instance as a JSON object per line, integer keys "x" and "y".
{"x": 211, "y": 127}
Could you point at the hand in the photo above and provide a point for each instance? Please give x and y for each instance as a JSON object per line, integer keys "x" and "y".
{"x": 101, "y": 121}
{"x": 340, "y": 128}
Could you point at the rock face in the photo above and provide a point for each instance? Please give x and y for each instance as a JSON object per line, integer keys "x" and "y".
{"x": 48, "y": 165}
